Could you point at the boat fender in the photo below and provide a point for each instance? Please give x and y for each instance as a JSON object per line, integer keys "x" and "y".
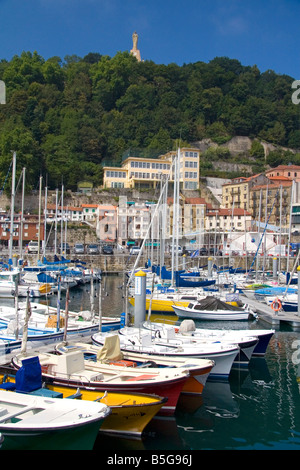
{"x": 276, "y": 305}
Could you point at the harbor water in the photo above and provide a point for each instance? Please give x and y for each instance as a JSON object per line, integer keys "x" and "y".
{"x": 257, "y": 409}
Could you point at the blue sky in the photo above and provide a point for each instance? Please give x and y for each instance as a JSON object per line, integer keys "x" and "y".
{"x": 261, "y": 32}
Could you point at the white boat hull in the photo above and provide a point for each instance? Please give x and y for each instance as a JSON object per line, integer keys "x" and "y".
{"x": 220, "y": 315}
{"x": 222, "y": 355}
{"x": 25, "y": 419}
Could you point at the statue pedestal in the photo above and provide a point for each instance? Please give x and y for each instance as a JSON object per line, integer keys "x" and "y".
{"x": 136, "y": 54}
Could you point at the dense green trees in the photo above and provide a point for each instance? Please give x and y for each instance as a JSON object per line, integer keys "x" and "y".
{"x": 65, "y": 118}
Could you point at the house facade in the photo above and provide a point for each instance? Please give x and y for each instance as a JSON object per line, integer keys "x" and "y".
{"x": 32, "y": 230}
{"x": 288, "y": 171}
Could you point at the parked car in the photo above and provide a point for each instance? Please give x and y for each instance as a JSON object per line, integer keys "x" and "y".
{"x": 135, "y": 250}
{"x": 64, "y": 248}
{"x": 79, "y": 248}
{"x": 215, "y": 252}
{"x": 107, "y": 250}
{"x": 93, "y": 249}
{"x": 188, "y": 251}
{"x": 177, "y": 248}
{"x": 33, "y": 247}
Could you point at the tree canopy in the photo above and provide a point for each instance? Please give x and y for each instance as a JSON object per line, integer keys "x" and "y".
{"x": 64, "y": 118}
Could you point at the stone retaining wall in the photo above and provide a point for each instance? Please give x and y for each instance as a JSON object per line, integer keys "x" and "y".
{"x": 123, "y": 262}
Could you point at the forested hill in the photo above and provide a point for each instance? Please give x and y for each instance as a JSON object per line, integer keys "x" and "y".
{"x": 65, "y": 118}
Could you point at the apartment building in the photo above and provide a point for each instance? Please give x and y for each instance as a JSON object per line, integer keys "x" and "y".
{"x": 134, "y": 219}
{"x": 70, "y": 213}
{"x": 272, "y": 202}
{"x": 237, "y": 192}
{"x": 147, "y": 173}
{"x": 295, "y": 222}
{"x": 107, "y": 223}
{"x": 31, "y": 229}
{"x": 226, "y": 220}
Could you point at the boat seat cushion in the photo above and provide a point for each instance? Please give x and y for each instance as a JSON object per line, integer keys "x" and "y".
{"x": 29, "y": 376}
{"x": 142, "y": 377}
{"x": 8, "y": 386}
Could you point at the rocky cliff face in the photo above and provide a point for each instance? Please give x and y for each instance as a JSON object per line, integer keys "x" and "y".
{"x": 239, "y": 145}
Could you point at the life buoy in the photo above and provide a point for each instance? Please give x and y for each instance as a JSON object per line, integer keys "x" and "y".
{"x": 276, "y": 305}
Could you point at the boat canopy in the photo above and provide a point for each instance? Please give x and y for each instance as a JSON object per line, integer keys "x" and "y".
{"x": 212, "y": 303}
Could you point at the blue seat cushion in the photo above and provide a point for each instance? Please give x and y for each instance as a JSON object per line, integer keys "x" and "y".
{"x": 29, "y": 376}
{"x": 8, "y": 386}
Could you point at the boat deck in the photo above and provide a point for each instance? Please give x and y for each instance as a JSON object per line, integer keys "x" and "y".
{"x": 275, "y": 319}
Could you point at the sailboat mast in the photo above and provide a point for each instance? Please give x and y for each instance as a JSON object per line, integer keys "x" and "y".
{"x": 174, "y": 217}
{"x": 62, "y": 219}
{"x": 12, "y": 205}
{"x": 22, "y": 216}
{"x": 177, "y": 207}
{"x": 39, "y": 231}
{"x": 45, "y": 221}
{"x": 55, "y": 229}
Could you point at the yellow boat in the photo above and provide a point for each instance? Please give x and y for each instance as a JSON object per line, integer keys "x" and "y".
{"x": 130, "y": 412}
{"x": 161, "y": 305}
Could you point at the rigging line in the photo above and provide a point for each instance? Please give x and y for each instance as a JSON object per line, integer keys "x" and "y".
{"x": 20, "y": 179}
{"x": 261, "y": 239}
{"x": 1, "y": 191}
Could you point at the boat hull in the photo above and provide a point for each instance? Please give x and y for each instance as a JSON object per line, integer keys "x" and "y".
{"x": 223, "y": 359}
{"x": 170, "y": 390}
{"x": 37, "y": 422}
{"x": 37, "y": 338}
{"x": 130, "y": 413}
{"x": 82, "y": 438}
{"x": 210, "y": 314}
{"x": 161, "y": 305}
{"x": 199, "y": 370}
{"x": 129, "y": 382}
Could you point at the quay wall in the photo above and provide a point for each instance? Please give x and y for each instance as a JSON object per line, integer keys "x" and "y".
{"x": 118, "y": 263}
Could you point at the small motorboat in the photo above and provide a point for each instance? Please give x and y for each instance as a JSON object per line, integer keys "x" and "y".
{"x": 34, "y": 422}
{"x": 188, "y": 329}
{"x": 211, "y": 308}
{"x": 45, "y": 326}
{"x": 187, "y": 333}
{"x": 71, "y": 370}
{"x": 111, "y": 355}
{"x": 130, "y": 412}
{"x": 133, "y": 340}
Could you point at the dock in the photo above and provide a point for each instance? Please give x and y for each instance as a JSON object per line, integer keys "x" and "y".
{"x": 275, "y": 319}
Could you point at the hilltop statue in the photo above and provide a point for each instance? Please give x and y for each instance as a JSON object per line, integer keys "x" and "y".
{"x": 134, "y": 51}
